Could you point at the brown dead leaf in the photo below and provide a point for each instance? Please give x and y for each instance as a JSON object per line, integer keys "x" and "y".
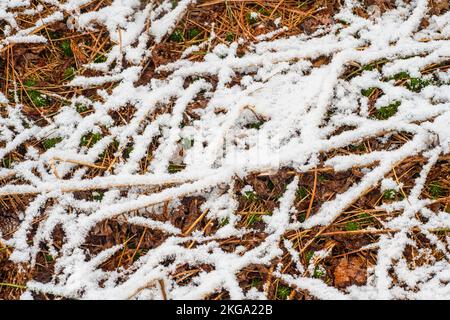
{"x": 382, "y": 4}
{"x": 439, "y": 7}
{"x": 350, "y": 270}
{"x": 260, "y": 187}
{"x": 322, "y": 60}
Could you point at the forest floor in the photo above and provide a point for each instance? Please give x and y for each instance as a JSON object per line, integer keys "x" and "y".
{"x": 224, "y": 149}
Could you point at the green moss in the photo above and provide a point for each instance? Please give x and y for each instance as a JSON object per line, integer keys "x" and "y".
{"x": 413, "y": 84}
{"x": 90, "y": 139}
{"x": 7, "y": 162}
{"x": 301, "y": 192}
{"x": 115, "y": 145}
{"x": 99, "y": 58}
{"x": 301, "y": 217}
{"x": 50, "y": 143}
{"x": 174, "y": 3}
{"x": 65, "y": 47}
{"x": 97, "y": 195}
{"x": 229, "y": 36}
{"x": 224, "y": 222}
{"x": 365, "y": 218}
{"x": 389, "y": 194}
{"x": 263, "y": 11}
{"x": 81, "y": 108}
{"x": 283, "y": 292}
{"x": 173, "y": 168}
{"x": 357, "y": 147}
{"x": 137, "y": 255}
{"x": 309, "y": 256}
{"x": 369, "y": 67}
{"x": 255, "y": 125}
{"x": 386, "y": 112}
{"x": 417, "y": 84}
{"x": 254, "y": 218}
{"x": 435, "y": 189}
{"x": 251, "y": 19}
{"x": 250, "y": 196}
{"x": 368, "y": 92}
{"x": 318, "y": 272}
{"x": 53, "y": 35}
{"x": 29, "y": 83}
{"x": 256, "y": 282}
{"x": 400, "y": 76}
{"x": 177, "y": 36}
{"x": 351, "y": 226}
{"x": 38, "y": 99}
{"x": 69, "y": 73}
{"x": 127, "y": 151}
{"x": 341, "y": 21}
{"x": 192, "y": 33}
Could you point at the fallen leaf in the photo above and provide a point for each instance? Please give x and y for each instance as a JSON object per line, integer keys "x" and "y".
{"x": 350, "y": 271}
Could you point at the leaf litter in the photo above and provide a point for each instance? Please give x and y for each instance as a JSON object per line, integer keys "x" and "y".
{"x": 174, "y": 172}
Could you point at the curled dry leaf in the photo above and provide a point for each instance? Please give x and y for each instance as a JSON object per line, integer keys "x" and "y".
{"x": 350, "y": 271}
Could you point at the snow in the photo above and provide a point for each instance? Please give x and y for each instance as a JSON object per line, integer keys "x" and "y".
{"x": 390, "y": 184}
{"x": 302, "y": 106}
